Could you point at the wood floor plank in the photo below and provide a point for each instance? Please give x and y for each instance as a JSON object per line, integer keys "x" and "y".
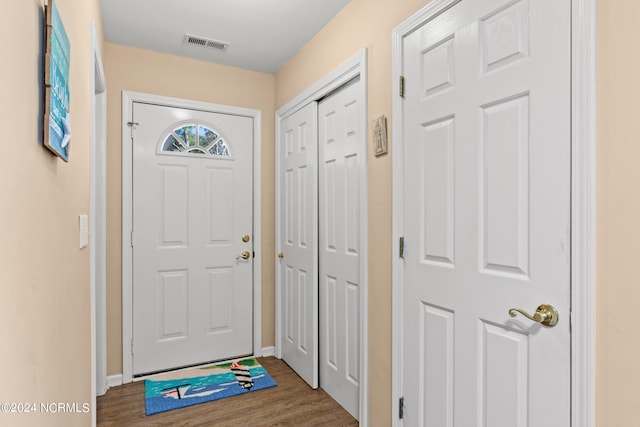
{"x": 291, "y": 403}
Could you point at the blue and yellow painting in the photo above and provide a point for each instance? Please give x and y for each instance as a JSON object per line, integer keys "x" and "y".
{"x": 57, "y": 121}
{"x": 203, "y": 384}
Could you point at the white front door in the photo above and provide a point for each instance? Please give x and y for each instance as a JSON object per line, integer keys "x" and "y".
{"x": 192, "y": 224}
{"x": 342, "y": 145}
{"x": 486, "y": 216}
{"x": 298, "y": 231}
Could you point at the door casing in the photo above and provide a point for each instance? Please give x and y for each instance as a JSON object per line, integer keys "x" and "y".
{"x": 353, "y": 67}
{"x": 583, "y": 90}
{"x": 98, "y": 223}
{"x": 128, "y": 98}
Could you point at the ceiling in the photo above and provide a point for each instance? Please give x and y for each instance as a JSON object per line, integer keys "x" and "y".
{"x": 262, "y": 34}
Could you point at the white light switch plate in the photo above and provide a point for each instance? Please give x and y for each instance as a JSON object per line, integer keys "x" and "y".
{"x": 84, "y": 231}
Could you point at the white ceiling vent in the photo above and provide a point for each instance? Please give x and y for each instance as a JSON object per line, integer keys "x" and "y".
{"x": 205, "y": 42}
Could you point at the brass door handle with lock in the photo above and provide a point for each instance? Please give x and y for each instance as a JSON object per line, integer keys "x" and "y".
{"x": 281, "y": 255}
{"x": 244, "y": 255}
{"x": 546, "y": 314}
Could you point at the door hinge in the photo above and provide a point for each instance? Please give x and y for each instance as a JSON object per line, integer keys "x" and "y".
{"x": 401, "y": 86}
{"x": 132, "y": 346}
{"x": 133, "y": 126}
{"x": 401, "y": 408}
{"x": 402, "y": 247}
{"x": 132, "y": 238}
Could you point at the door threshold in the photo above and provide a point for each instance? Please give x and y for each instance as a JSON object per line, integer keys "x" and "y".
{"x": 150, "y": 375}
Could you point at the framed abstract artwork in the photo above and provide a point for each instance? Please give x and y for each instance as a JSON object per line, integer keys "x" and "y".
{"x": 57, "y": 121}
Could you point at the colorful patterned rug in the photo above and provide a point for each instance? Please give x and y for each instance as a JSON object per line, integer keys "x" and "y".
{"x": 203, "y": 384}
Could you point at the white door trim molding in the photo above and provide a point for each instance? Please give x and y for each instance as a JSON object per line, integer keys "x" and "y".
{"x": 128, "y": 98}
{"x": 98, "y": 222}
{"x": 353, "y": 67}
{"x": 583, "y": 207}
{"x": 583, "y": 189}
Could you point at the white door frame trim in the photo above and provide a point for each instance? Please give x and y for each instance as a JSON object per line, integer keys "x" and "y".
{"x": 353, "y": 67}
{"x": 98, "y": 222}
{"x": 583, "y": 207}
{"x": 128, "y": 98}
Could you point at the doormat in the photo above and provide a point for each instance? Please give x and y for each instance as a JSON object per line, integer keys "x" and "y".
{"x": 188, "y": 387}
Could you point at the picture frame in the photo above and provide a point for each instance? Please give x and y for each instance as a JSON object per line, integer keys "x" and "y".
{"x": 57, "y": 120}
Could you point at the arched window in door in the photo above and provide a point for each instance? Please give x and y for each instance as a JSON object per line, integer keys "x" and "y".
{"x": 194, "y": 138}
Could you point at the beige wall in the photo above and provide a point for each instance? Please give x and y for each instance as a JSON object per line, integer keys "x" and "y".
{"x": 44, "y": 292}
{"x": 144, "y": 71}
{"x": 363, "y": 24}
{"x": 618, "y": 214}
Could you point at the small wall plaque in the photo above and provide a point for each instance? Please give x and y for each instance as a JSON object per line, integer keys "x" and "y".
{"x": 380, "y": 142}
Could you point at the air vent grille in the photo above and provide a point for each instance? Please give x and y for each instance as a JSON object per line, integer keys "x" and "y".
{"x": 205, "y": 42}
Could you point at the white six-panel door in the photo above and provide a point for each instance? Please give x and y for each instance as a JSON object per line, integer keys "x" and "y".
{"x": 299, "y": 244}
{"x": 192, "y": 290}
{"x": 486, "y": 215}
{"x": 341, "y": 158}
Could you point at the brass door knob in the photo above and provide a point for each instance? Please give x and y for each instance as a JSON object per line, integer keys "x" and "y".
{"x": 246, "y": 238}
{"x": 245, "y": 255}
{"x": 546, "y": 314}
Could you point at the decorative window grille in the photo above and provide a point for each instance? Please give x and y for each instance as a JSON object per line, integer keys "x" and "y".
{"x": 195, "y": 139}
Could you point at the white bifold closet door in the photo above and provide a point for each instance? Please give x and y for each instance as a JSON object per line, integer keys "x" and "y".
{"x": 298, "y": 230}
{"x": 321, "y": 164}
{"x": 341, "y": 152}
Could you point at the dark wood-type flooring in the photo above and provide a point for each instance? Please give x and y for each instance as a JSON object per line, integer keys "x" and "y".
{"x": 291, "y": 403}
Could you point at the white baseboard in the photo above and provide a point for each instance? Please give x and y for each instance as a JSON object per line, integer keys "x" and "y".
{"x": 114, "y": 380}
{"x": 268, "y": 351}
